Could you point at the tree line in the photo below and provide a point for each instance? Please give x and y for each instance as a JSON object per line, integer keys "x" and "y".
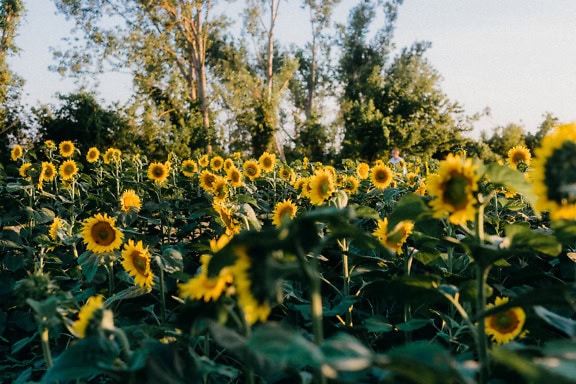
{"x": 200, "y": 86}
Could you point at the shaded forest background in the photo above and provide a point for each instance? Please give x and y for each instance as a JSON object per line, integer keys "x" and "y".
{"x": 200, "y": 86}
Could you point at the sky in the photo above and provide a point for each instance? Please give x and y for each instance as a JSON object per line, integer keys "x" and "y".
{"x": 515, "y": 57}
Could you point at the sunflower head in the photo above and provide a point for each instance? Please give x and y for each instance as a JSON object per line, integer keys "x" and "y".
{"x": 50, "y": 145}
{"x": 207, "y": 180}
{"x": 158, "y": 172}
{"x": 394, "y": 239}
{"x": 93, "y": 155}
{"x": 284, "y": 210}
{"x": 519, "y": 157}
{"x": 452, "y": 188}
{"x": 287, "y": 174}
{"x": 228, "y": 163}
{"x": 24, "y": 169}
{"x": 216, "y": 163}
{"x": 321, "y": 187}
{"x": 203, "y": 161}
{"x": 92, "y": 318}
{"x": 350, "y": 184}
{"x": 226, "y": 215}
{"x": 112, "y": 155}
{"x": 189, "y": 168}
{"x": 67, "y": 148}
{"x": 57, "y": 225}
{"x": 68, "y": 170}
{"x": 100, "y": 234}
{"x": 130, "y": 201}
{"x": 381, "y": 176}
{"x": 16, "y": 152}
{"x": 267, "y": 161}
{"x": 554, "y": 173}
{"x": 234, "y": 177}
{"x": 136, "y": 262}
{"x": 251, "y": 169}
{"x": 220, "y": 188}
{"x": 504, "y": 326}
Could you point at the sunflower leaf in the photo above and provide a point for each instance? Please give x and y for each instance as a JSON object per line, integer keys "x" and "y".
{"x": 511, "y": 178}
{"x": 564, "y": 324}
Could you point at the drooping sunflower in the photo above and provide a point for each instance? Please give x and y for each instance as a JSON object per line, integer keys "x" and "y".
{"x": 92, "y": 316}
{"x": 267, "y": 161}
{"x": 68, "y": 170}
{"x": 504, "y": 326}
{"x": 452, "y": 188}
{"x": 67, "y": 148}
{"x": 226, "y": 215}
{"x": 287, "y": 174}
{"x": 112, "y": 155}
{"x": 203, "y": 161}
{"x": 303, "y": 185}
{"x": 216, "y": 163}
{"x": 16, "y": 152}
{"x": 381, "y": 176}
{"x": 23, "y": 170}
{"x": 350, "y": 184}
{"x": 189, "y": 168}
{"x": 282, "y": 210}
{"x": 50, "y": 145}
{"x": 321, "y": 187}
{"x": 235, "y": 177}
{"x": 204, "y": 287}
{"x": 57, "y": 224}
{"x": 130, "y": 201}
{"x": 394, "y": 239}
{"x": 158, "y": 172}
{"x": 93, "y": 155}
{"x": 362, "y": 171}
{"x": 412, "y": 179}
{"x": 251, "y": 169}
{"x": 100, "y": 234}
{"x": 519, "y": 157}
{"x": 554, "y": 173}
{"x": 207, "y": 180}
{"x": 136, "y": 262}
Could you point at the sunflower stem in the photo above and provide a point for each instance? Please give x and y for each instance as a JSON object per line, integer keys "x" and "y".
{"x": 346, "y": 276}
{"x": 482, "y": 340}
{"x": 162, "y": 297}
{"x": 110, "y": 270}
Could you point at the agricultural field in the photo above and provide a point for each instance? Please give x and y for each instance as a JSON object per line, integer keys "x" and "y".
{"x": 231, "y": 269}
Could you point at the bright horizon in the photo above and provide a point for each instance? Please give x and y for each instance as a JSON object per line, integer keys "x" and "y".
{"x": 515, "y": 57}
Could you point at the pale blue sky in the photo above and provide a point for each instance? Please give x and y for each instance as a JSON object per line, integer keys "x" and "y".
{"x": 517, "y": 57}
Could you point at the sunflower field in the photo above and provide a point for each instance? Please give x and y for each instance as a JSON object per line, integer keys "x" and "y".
{"x": 231, "y": 269}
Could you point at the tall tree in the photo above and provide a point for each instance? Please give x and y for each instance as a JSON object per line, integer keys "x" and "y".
{"x": 505, "y": 137}
{"x": 164, "y": 44}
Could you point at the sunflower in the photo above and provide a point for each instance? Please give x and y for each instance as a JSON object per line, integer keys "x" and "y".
{"x": 394, "y": 239}
{"x": 216, "y": 163}
{"x": 267, "y": 161}
{"x": 321, "y": 187}
{"x": 251, "y": 169}
{"x": 554, "y": 173}
{"x": 16, "y": 152}
{"x": 67, "y": 148}
{"x": 57, "y": 224}
{"x": 47, "y": 173}
{"x": 23, "y": 170}
{"x": 282, "y": 210}
{"x": 362, "y": 171}
{"x": 381, "y": 176}
{"x": 203, "y": 161}
{"x": 453, "y": 187}
{"x": 112, "y": 155}
{"x": 504, "y": 326}
{"x": 136, "y": 262}
{"x": 100, "y": 234}
{"x": 158, "y": 172}
{"x": 231, "y": 223}
{"x": 130, "y": 201}
{"x": 228, "y": 163}
{"x": 203, "y": 287}
{"x": 412, "y": 179}
{"x": 350, "y": 184}
{"x": 286, "y": 174}
{"x": 235, "y": 177}
{"x": 220, "y": 188}
{"x": 50, "y": 145}
{"x": 207, "y": 180}
{"x": 68, "y": 170}
{"x": 189, "y": 168}
{"x": 519, "y": 156}
{"x": 92, "y": 155}
{"x": 92, "y": 317}
{"x": 303, "y": 185}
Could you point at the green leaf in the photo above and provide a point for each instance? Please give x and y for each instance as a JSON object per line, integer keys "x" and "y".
{"x": 413, "y": 324}
{"x": 171, "y": 260}
{"x": 511, "y": 178}
{"x": 342, "y": 306}
{"x": 410, "y": 207}
{"x": 128, "y": 293}
{"x": 367, "y": 212}
{"x": 377, "y": 324}
{"x": 89, "y": 262}
{"x": 564, "y": 324}
{"x": 523, "y": 238}
{"x": 83, "y": 359}
{"x": 344, "y": 352}
{"x": 17, "y": 346}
